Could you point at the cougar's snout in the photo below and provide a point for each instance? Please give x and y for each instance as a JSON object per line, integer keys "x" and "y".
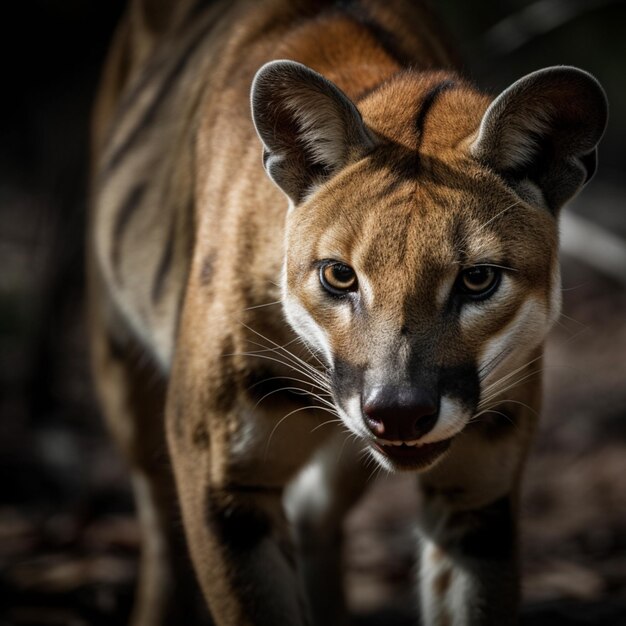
{"x": 400, "y": 414}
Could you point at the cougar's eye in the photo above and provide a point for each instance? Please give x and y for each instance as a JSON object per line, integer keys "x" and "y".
{"x": 337, "y": 278}
{"x": 478, "y": 282}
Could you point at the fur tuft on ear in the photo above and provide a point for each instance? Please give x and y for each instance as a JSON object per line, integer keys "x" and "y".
{"x": 544, "y": 129}
{"x": 309, "y": 128}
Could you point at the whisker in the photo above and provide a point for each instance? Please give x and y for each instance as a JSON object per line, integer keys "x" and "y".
{"x": 574, "y": 287}
{"x": 492, "y": 410}
{"x": 512, "y": 373}
{"x": 375, "y": 472}
{"x": 308, "y": 383}
{"x": 317, "y": 380}
{"x": 495, "y": 217}
{"x": 526, "y": 406}
{"x": 271, "y": 348}
{"x": 571, "y": 319}
{"x": 282, "y": 419}
{"x": 343, "y": 445}
{"x": 299, "y": 391}
{"x": 260, "y": 306}
{"x": 335, "y": 421}
{"x": 512, "y": 385}
{"x": 486, "y": 369}
{"x": 289, "y": 354}
{"x": 310, "y": 351}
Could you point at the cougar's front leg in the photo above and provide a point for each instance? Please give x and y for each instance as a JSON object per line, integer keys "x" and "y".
{"x": 317, "y": 503}
{"x": 231, "y": 461}
{"x": 239, "y": 544}
{"x": 468, "y": 562}
{"x": 242, "y": 555}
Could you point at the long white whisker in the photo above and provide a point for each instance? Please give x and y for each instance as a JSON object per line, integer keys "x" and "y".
{"x": 311, "y": 352}
{"x": 516, "y": 383}
{"x": 521, "y": 367}
{"x": 523, "y": 404}
{"x": 305, "y": 373}
{"x": 335, "y": 421}
{"x": 495, "y": 217}
{"x": 297, "y": 390}
{"x": 511, "y": 374}
{"x": 486, "y": 369}
{"x": 259, "y": 306}
{"x": 492, "y": 410}
{"x": 288, "y": 354}
{"x": 272, "y": 348}
{"x": 308, "y": 383}
{"x": 282, "y": 419}
{"x": 343, "y": 445}
{"x": 303, "y": 362}
{"x": 571, "y": 319}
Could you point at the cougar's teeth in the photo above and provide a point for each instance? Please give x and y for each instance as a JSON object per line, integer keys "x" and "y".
{"x": 412, "y": 444}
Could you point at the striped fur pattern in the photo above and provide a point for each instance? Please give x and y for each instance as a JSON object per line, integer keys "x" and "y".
{"x": 379, "y": 294}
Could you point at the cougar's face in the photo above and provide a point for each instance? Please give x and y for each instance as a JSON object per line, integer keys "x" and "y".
{"x": 422, "y": 239}
{"x": 422, "y": 294}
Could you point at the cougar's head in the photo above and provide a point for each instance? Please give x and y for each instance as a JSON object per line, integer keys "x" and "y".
{"x": 421, "y": 238}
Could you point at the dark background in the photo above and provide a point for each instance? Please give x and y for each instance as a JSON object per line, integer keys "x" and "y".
{"x": 68, "y": 540}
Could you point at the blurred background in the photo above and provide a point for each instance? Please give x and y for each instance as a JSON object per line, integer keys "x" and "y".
{"x": 68, "y": 538}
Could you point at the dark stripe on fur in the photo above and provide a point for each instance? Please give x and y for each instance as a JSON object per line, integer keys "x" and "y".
{"x": 387, "y": 40}
{"x": 428, "y": 102}
{"x": 165, "y": 263}
{"x": 123, "y": 216}
{"x": 129, "y": 99}
{"x": 195, "y": 11}
{"x": 163, "y": 92}
{"x": 235, "y": 520}
{"x": 200, "y": 436}
{"x": 117, "y": 350}
{"x": 224, "y": 397}
{"x": 207, "y": 269}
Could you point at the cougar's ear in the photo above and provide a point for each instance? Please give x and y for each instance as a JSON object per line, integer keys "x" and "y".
{"x": 545, "y": 129}
{"x": 309, "y": 128}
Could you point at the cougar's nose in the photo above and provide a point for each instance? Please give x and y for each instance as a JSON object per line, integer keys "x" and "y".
{"x": 400, "y": 414}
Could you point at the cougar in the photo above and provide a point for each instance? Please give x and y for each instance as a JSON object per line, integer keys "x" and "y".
{"x": 315, "y": 246}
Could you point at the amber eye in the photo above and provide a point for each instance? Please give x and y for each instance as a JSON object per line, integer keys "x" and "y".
{"x": 337, "y": 278}
{"x": 479, "y": 282}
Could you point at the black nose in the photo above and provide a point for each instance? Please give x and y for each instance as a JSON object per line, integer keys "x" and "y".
{"x": 400, "y": 413}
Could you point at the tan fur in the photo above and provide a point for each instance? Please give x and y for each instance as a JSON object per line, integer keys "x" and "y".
{"x": 202, "y": 266}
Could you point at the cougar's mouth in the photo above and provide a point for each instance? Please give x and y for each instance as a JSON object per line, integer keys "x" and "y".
{"x": 412, "y": 455}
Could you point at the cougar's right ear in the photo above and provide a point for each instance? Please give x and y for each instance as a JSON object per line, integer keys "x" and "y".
{"x": 309, "y": 128}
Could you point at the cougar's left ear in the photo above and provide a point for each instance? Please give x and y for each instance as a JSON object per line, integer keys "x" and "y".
{"x": 545, "y": 128}
{"x": 309, "y": 128}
